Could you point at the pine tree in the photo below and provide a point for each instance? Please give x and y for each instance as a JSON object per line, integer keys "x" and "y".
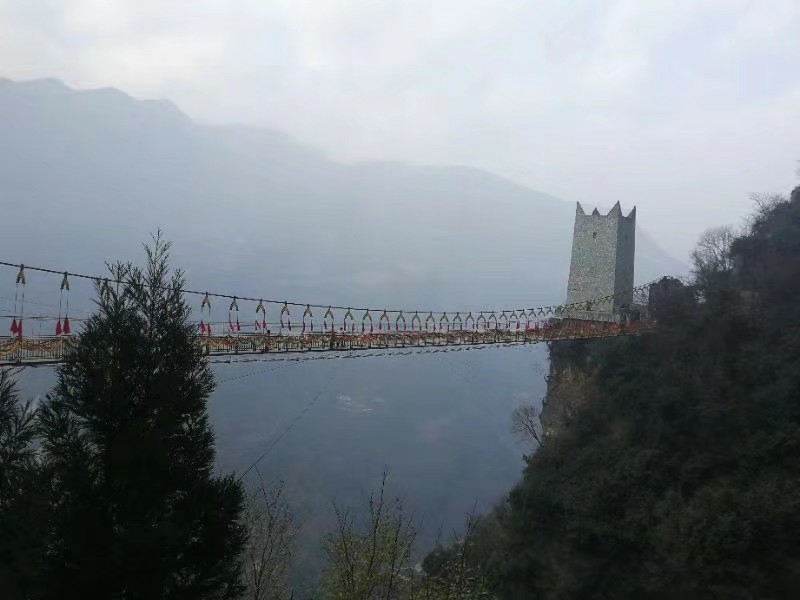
{"x": 137, "y": 512}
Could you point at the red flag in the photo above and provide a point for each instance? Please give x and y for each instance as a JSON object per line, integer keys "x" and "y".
{"x": 65, "y": 327}
{"x": 58, "y": 327}
{"x": 202, "y": 326}
{"x": 13, "y": 326}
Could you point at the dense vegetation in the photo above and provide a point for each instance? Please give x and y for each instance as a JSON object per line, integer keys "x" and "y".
{"x": 670, "y": 463}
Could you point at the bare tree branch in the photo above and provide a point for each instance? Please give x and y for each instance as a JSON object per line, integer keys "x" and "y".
{"x": 270, "y": 547}
{"x": 526, "y": 424}
{"x": 370, "y": 558}
{"x": 712, "y": 255}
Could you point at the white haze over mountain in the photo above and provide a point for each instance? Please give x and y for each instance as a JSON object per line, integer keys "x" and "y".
{"x": 85, "y": 176}
{"x": 680, "y": 106}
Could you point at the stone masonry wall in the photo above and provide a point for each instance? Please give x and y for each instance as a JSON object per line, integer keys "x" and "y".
{"x": 602, "y": 255}
{"x": 626, "y": 250}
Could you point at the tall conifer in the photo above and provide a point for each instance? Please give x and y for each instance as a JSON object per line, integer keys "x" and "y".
{"x": 138, "y": 512}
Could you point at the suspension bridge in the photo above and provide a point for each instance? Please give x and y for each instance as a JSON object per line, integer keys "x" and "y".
{"x": 255, "y": 326}
{"x": 601, "y": 302}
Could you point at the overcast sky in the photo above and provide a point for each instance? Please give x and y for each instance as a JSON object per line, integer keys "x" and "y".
{"x": 680, "y": 107}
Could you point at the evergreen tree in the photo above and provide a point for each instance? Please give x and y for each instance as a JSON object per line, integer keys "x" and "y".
{"x": 22, "y": 501}
{"x": 136, "y": 509}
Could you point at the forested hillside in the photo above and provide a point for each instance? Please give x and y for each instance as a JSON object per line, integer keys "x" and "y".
{"x": 669, "y": 463}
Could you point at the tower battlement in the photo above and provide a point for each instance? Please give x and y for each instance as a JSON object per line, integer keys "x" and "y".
{"x": 603, "y": 248}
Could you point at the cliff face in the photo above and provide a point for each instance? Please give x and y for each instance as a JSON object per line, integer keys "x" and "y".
{"x": 570, "y": 387}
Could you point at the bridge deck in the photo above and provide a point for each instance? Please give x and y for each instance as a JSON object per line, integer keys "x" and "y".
{"x": 51, "y": 350}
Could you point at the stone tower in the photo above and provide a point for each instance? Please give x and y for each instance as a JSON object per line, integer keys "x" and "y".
{"x": 602, "y": 260}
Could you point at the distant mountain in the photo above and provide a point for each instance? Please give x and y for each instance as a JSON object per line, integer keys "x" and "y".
{"x": 86, "y": 175}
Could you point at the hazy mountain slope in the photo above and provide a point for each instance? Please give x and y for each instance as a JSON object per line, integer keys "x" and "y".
{"x": 251, "y": 209}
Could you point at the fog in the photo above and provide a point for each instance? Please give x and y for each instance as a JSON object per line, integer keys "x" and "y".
{"x": 682, "y": 108}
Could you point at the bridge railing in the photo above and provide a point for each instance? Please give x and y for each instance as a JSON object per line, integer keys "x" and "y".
{"x": 15, "y": 350}
{"x": 54, "y": 349}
